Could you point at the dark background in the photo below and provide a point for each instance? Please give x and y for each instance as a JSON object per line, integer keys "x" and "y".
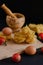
{"x": 33, "y": 10}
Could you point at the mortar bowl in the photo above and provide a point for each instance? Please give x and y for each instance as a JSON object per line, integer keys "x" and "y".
{"x": 15, "y": 24}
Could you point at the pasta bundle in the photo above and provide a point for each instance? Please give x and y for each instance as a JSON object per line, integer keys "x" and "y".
{"x": 38, "y": 28}
{"x": 24, "y": 35}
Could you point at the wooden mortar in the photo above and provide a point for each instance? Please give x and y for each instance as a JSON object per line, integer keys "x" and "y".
{"x": 13, "y": 20}
{"x": 15, "y": 25}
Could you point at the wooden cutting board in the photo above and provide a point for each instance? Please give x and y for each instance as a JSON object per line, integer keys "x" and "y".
{"x": 11, "y": 48}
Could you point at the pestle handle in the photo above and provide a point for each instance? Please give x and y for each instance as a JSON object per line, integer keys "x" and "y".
{"x": 8, "y": 11}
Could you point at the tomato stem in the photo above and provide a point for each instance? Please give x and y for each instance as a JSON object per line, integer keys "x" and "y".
{"x": 5, "y": 43}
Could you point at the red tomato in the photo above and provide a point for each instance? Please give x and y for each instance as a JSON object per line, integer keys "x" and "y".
{"x": 16, "y": 57}
{"x": 2, "y": 40}
{"x": 40, "y": 36}
{"x": 42, "y": 49}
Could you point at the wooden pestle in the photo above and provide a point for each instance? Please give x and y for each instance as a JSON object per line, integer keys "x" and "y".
{"x": 8, "y": 11}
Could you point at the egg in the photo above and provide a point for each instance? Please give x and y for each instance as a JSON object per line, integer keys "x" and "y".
{"x": 7, "y": 30}
{"x": 30, "y": 50}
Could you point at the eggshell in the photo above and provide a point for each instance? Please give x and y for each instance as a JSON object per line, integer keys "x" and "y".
{"x": 30, "y": 50}
{"x": 7, "y": 30}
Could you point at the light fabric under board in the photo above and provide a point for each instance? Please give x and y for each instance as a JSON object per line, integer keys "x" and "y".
{"x": 11, "y": 48}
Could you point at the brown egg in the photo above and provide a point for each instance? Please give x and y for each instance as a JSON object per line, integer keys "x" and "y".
{"x": 7, "y": 30}
{"x": 30, "y": 50}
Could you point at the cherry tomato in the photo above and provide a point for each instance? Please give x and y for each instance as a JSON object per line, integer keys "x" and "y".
{"x": 16, "y": 57}
{"x": 2, "y": 40}
{"x": 41, "y": 49}
{"x": 40, "y": 36}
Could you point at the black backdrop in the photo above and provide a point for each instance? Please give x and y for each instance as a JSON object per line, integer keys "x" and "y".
{"x": 33, "y": 10}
